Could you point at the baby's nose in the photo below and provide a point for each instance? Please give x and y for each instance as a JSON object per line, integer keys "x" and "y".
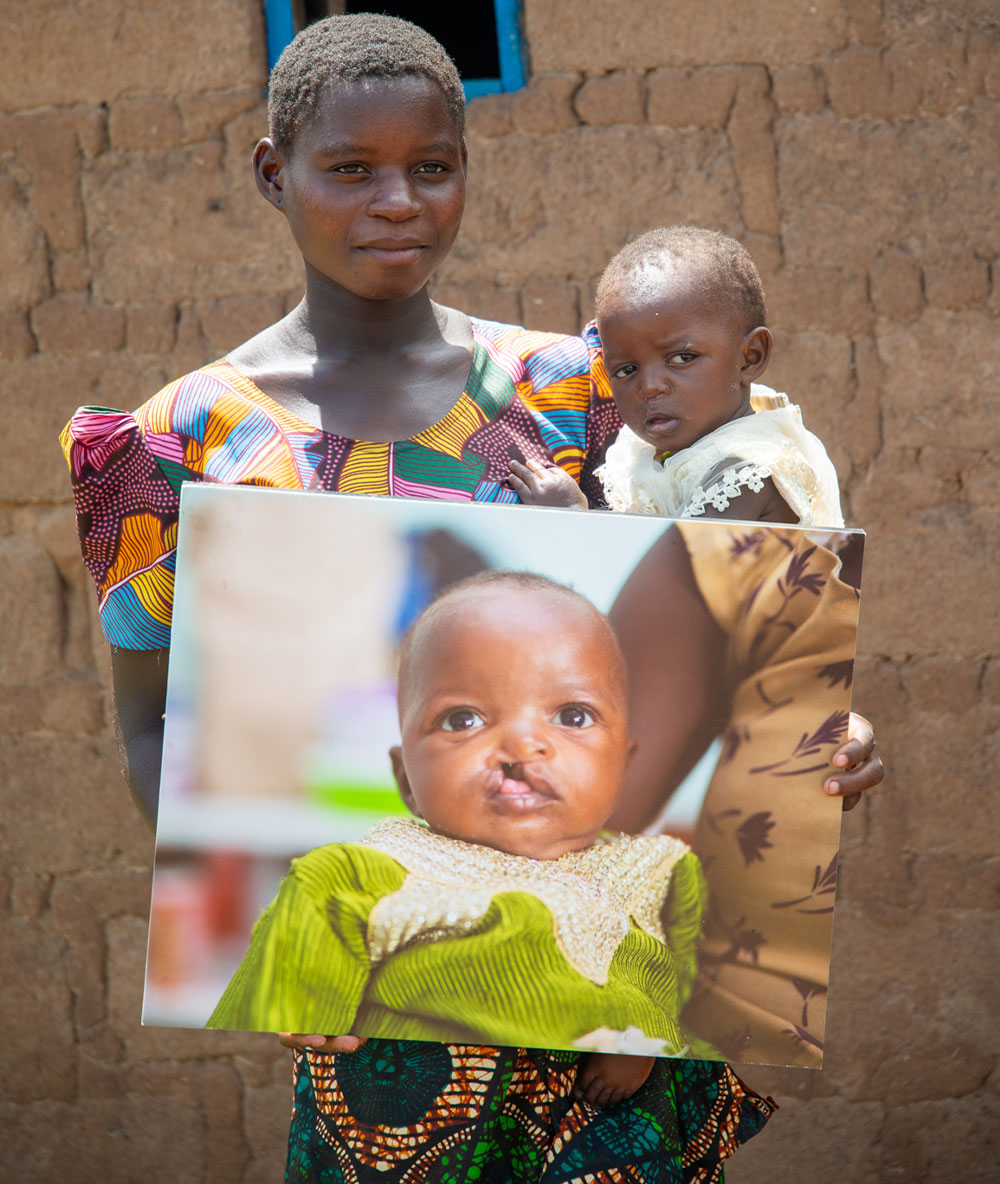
{"x": 522, "y": 740}
{"x": 653, "y": 381}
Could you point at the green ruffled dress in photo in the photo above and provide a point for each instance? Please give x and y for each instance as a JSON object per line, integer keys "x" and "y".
{"x": 410, "y": 935}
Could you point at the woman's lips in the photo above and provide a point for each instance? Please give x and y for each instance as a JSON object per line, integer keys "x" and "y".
{"x": 390, "y": 252}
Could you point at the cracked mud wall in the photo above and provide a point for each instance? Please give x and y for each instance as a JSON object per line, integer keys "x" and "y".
{"x": 851, "y": 145}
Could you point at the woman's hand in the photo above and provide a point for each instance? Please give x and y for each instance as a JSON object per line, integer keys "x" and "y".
{"x": 322, "y": 1043}
{"x": 545, "y": 485}
{"x": 859, "y": 768}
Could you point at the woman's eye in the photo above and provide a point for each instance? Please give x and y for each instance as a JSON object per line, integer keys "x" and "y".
{"x": 623, "y": 371}
{"x": 349, "y": 170}
{"x": 461, "y": 720}
{"x": 432, "y": 166}
{"x": 574, "y": 716}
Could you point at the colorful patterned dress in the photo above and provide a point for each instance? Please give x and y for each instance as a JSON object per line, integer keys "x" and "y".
{"x": 398, "y": 1112}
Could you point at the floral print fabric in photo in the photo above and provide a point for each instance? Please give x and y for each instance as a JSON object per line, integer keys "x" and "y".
{"x": 767, "y": 835}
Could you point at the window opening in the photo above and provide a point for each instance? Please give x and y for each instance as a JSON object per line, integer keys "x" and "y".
{"x": 485, "y": 42}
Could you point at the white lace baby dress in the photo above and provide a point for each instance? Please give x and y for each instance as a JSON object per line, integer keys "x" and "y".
{"x": 717, "y": 468}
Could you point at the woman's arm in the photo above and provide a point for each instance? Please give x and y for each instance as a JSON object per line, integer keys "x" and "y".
{"x": 680, "y": 693}
{"x": 679, "y": 699}
{"x": 140, "y": 690}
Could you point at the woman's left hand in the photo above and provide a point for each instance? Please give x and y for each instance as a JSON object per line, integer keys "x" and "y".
{"x": 857, "y": 764}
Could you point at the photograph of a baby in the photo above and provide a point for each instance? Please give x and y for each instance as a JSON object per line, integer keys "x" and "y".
{"x": 505, "y": 914}
{"x": 452, "y": 817}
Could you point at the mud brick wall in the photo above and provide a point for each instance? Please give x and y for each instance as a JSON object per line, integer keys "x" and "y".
{"x": 852, "y": 145}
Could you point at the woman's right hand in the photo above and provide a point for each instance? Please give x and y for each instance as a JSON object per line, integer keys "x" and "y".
{"x": 322, "y": 1043}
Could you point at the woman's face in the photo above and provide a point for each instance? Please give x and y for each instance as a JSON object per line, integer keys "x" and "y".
{"x": 373, "y": 186}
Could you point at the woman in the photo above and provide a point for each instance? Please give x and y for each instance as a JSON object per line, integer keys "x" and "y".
{"x": 773, "y": 615}
{"x": 367, "y": 386}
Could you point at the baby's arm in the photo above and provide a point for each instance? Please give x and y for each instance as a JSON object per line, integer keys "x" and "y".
{"x": 604, "y": 1078}
{"x": 752, "y": 499}
{"x": 306, "y": 968}
{"x": 545, "y": 485}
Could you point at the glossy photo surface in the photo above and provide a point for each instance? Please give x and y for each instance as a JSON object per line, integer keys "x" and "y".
{"x": 391, "y": 800}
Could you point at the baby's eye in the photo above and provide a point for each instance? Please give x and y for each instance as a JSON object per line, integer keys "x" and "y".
{"x": 682, "y": 356}
{"x": 623, "y": 371}
{"x": 574, "y": 716}
{"x": 462, "y": 719}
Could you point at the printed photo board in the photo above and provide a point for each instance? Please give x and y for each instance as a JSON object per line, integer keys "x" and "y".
{"x": 622, "y": 841}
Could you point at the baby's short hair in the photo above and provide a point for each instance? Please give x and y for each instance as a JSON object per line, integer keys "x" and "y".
{"x": 516, "y": 580}
{"x": 720, "y": 266}
{"x": 348, "y": 47}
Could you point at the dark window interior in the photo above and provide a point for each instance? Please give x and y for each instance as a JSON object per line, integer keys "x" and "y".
{"x": 471, "y": 39}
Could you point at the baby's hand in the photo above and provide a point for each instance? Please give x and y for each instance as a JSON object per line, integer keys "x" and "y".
{"x": 604, "y": 1079}
{"x": 322, "y": 1043}
{"x": 545, "y": 485}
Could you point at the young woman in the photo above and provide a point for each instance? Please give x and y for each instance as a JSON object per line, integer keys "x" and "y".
{"x": 368, "y": 386}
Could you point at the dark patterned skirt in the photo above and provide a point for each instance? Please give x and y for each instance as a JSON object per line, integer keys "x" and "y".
{"x": 401, "y": 1112}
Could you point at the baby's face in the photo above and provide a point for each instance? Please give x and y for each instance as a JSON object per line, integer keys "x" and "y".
{"x": 514, "y": 725}
{"x": 677, "y": 364}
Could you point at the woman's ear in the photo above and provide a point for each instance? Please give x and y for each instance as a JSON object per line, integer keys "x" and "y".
{"x": 402, "y": 781}
{"x": 268, "y": 164}
{"x": 465, "y": 158}
{"x": 756, "y": 353}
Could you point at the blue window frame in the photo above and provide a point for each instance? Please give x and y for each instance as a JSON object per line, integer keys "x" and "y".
{"x": 493, "y": 71}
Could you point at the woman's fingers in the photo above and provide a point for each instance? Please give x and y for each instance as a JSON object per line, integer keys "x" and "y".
{"x": 322, "y": 1043}
{"x": 858, "y": 765}
{"x": 860, "y": 742}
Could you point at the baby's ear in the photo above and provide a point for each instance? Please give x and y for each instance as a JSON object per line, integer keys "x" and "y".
{"x": 756, "y": 350}
{"x": 402, "y": 781}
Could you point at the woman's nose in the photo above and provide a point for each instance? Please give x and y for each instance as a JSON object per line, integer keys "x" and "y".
{"x": 395, "y": 198}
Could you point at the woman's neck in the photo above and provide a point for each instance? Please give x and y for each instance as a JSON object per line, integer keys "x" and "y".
{"x": 331, "y": 322}
{"x": 363, "y": 369}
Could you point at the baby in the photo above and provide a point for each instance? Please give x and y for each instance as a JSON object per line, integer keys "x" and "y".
{"x": 680, "y": 340}
{"x": 506, "y": 916}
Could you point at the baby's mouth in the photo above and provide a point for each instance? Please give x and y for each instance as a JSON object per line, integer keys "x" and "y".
{"x": 658, "y": 424}
{"x": 514, "y": 788}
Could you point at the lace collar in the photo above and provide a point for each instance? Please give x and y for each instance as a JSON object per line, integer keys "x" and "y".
{"x": 591, "y": 894}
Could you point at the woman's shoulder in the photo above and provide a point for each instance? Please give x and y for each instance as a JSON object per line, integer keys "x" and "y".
{"x": 185, "y": 404}
{"x": 533, "y": 346}
{"x": 182, "y": 404}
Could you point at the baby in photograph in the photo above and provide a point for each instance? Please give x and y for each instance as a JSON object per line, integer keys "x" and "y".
{"x": 680, "y": 340}
{"x": 507, "y": 915}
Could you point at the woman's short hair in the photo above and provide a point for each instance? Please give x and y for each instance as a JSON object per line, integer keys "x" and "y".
{"x": 344, "y": 49}
{"x": 720, "y": 266}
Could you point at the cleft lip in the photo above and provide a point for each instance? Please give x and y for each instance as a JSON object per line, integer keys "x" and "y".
{"x": 514, "y": 780}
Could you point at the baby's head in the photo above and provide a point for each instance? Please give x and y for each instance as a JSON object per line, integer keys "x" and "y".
{"x": 514, "y": 718}
{"x": 680, "y": 313}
